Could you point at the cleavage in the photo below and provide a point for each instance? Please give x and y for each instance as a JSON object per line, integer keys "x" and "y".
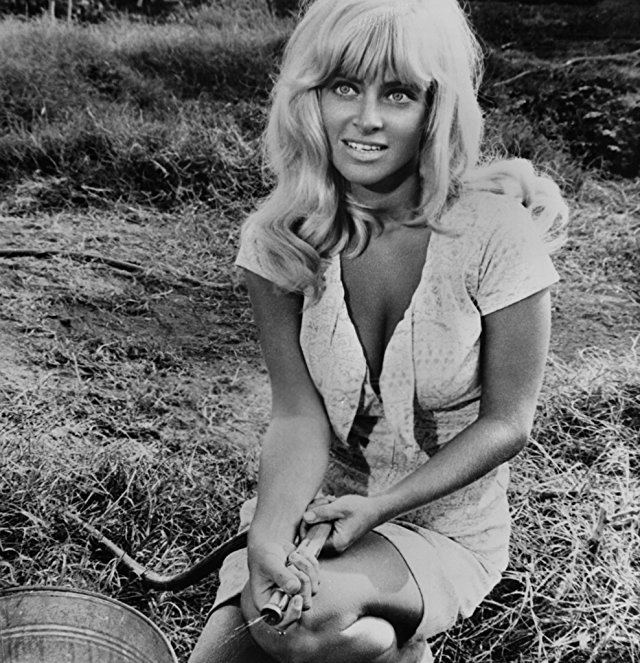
{"x": 379, "y": 285}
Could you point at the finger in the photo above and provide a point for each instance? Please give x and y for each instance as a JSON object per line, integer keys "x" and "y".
{"x": 309, "y": 566}
{"x": 292, "y": 613}
{"x": 318, "y": 502}
{"x": 288, "y": 580}
{"x": 322, "y": 513}
{"x": 336, "y": 545}
{"x": 303, "y": 529}
{"x": 261, "y": 591}
{"x": 305, "y": 588}
{"x": 324, "y": 499}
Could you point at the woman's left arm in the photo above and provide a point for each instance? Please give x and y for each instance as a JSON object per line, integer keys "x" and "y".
{"x": 514, "y": 351}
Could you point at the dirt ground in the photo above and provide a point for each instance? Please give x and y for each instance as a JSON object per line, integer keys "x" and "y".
{"x": 64, "y": 320}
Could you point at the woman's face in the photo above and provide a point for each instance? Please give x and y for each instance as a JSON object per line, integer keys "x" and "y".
{"x": 374, "y": 128}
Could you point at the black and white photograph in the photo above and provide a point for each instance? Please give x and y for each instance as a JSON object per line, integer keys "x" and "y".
{"x": 319, "y": 331}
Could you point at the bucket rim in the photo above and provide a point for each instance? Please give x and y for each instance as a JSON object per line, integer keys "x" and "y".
{"x": 58, "y": 589}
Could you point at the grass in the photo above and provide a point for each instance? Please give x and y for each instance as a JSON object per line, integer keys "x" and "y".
{"x": 155, "y": 114}
{"x": 139, "y": 401}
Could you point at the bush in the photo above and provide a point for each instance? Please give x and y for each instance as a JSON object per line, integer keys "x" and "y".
{"x": 544, "y": 28}
{"x": 598, "y": 124}
{"x": 593, "y": 114}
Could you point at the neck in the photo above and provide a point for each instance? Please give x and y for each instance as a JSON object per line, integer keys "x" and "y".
{"x": 391, "y": 207}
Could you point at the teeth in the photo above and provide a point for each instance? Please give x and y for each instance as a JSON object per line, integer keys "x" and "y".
{"x": 362, "y": 147}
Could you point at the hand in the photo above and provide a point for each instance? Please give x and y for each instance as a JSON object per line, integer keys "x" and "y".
{"x": 352, "y": 516}
{"x": 277, "y": 565}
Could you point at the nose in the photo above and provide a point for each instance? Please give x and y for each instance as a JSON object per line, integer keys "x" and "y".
{"x": 369, "y": 117}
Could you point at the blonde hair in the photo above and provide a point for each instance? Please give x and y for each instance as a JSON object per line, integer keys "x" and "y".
{"x": 309, "y": 216}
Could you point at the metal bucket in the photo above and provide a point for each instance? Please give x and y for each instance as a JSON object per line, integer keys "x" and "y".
{"x": 59, "y": 625}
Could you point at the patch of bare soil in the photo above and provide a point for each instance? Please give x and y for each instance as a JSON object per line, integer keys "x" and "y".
{"x": 586, "y": 321}
{"x": 182, "y": 357}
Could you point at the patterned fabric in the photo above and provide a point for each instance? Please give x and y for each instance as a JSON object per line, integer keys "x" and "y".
{"x": 429, "y": 388}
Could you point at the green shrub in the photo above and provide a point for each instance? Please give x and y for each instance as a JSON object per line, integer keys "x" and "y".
{"x": 545, "y": 28}
{"x": 592, "y": 114}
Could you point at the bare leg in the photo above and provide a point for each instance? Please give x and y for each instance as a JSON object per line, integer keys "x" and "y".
{"x": 226, "y": 637}
{"x": 367, "y": 602}
{"x": 368, "y": 637}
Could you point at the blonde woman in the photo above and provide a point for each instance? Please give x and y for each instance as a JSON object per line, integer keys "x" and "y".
{"x": 401, "y": 294}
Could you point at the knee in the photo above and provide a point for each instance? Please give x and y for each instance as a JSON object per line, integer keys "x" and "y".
{"x": 367, "y": 639}
{"x": 309, "y": 639}
{"x": 297, "y": 644}
{"x": 317, "y": 639}
{"x": 300, "y": 645}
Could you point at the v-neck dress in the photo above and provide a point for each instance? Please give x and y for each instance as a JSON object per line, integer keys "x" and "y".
{"x": 489, "y": 256}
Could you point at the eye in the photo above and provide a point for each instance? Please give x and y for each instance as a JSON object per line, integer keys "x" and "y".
{"x": 344, "y": 89}
{"x": 401, "y": 96}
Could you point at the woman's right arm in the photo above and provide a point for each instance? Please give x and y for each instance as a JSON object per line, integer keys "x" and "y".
{"x": 295, "y": 448}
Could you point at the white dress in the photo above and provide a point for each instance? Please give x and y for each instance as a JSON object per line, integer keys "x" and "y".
{"x": 429, "y": 390}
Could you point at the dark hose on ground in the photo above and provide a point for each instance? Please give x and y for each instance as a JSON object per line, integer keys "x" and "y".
{"x": 190, "y": 576}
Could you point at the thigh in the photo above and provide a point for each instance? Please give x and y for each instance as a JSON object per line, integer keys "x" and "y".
{"x": 371, "y": 578}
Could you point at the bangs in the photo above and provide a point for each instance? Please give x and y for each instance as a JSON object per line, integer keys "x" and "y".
{"x": 380, "y": 43}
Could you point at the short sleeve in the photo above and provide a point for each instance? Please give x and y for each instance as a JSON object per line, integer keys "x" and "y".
{"x": 515, "y": 263}
{"x": 250, "y": 253}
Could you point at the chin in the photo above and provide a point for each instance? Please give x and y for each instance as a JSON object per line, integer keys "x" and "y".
{"x": 360, "y": 177}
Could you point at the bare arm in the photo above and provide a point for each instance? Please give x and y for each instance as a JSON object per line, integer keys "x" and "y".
{"x": 295, "y": 448}
{"x": 514, "y": 352}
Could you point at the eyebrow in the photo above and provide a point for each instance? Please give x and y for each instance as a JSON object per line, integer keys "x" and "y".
{"x": 340, "y": 74}
{"x": 399, "y": 83}
{"x": 389, "y": 83}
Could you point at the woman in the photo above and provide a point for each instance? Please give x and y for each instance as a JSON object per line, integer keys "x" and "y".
{"x": 401, "y": 294}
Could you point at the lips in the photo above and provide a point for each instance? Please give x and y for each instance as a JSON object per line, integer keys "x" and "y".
{"x": 361, "y": 146}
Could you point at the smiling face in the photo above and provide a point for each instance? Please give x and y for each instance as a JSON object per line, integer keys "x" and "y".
{"x": 374, "y": 128}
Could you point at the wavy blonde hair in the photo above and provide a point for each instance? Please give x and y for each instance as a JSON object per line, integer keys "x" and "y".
{"x": 309, "y": 216}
